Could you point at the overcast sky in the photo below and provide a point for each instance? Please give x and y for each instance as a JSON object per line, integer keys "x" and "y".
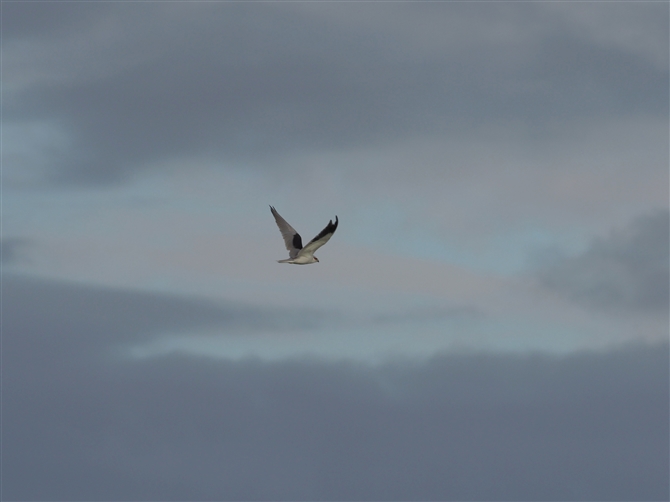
{"x": 489, "y": 321}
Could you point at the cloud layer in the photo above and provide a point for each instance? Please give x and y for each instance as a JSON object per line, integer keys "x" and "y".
{"x": 628, "y": 270}
{"x": 240, "y": 83}
{"x": 81, "y": 422}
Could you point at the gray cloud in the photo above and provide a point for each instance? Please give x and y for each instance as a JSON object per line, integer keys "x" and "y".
{"x": 99, "y": 318}
{"x": 627, "y": 271}
{"x": 78, "y": 426}
{"x": 241, "y": 82}
{"x": 12, "y": 249}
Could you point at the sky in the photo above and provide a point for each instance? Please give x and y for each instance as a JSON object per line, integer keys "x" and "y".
{"x": 489, "y": 322}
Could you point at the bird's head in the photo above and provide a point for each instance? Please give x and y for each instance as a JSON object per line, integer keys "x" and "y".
{"x": 316, "y": 259}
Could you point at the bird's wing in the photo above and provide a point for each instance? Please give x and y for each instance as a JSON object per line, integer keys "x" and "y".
{"x": 292, "y": 239}
{"x": 320, "y": 239}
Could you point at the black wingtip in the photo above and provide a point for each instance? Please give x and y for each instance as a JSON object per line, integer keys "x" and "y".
{"x": 331, "y": 226}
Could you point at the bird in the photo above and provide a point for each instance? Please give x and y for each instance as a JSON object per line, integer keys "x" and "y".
{"x": 299, "y": 255}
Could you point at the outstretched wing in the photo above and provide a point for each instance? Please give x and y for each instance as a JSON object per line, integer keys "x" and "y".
{"x": 292, "y": 239}
{"x": 323, "y": 237}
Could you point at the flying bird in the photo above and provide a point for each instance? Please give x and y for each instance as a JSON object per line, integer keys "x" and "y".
{"x": 299, "y": 255}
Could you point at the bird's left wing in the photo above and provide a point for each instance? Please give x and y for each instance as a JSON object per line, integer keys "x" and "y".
{"x": 323, "y": 237}
{"x": 292, "y": 239}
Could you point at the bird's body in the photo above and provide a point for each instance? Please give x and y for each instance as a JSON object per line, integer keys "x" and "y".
{"x": 299, "y": 255}
{"x": 300, "y": 260}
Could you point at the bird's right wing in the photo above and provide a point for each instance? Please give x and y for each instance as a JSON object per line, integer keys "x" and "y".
{"x": 292, "y": 239}
{"x": 323, "y": 237}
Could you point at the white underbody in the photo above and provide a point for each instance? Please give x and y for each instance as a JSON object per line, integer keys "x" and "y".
{"x": 300, "y": 260}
